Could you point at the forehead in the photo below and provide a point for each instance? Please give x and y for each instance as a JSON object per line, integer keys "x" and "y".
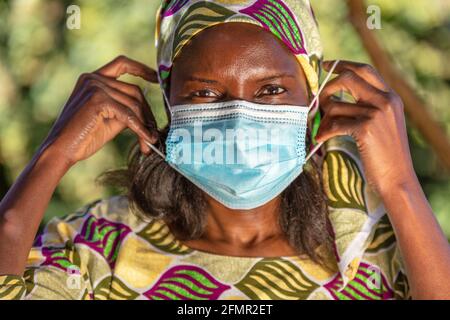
{"x": 234, "y": 48}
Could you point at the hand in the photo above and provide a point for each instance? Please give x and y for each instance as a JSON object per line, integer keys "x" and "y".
{"x": 376, "y": 122}
{"x": 99, "y": 108}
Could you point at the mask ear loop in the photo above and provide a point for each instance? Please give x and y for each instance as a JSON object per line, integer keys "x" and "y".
{"x": 315, "y": 100}
{"x": 148, "y": 143}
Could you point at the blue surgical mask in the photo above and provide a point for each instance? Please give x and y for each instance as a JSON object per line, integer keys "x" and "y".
{"x": 241, "y": 153}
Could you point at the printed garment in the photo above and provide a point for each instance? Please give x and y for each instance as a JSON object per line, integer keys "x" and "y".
{"x": 103, "y": 251}
{"x": 291, "y": 21}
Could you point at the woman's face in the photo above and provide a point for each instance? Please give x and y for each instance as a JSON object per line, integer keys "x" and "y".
{"x": 237, "y": 61}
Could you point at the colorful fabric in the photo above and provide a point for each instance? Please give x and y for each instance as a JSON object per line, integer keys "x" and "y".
{"x": 104, "y": 251}
{"x": 292, "y": 21}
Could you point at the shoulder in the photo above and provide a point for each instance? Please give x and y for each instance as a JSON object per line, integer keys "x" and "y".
{"x": 103, "y": 226}
{"x": 94, "y": 232}
{"x": 114, "y": 212}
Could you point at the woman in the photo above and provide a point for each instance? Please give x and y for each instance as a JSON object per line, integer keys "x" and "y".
{"x": 266, "y": 228}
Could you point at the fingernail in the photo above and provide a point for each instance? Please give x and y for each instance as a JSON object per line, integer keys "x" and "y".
{"x": 154, "y": 137}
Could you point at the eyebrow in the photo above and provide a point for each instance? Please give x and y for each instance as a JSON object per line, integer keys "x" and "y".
{"x": 276, "y": 76}
{"x": 272, "y": 77}
{"x": 196, "y": 79}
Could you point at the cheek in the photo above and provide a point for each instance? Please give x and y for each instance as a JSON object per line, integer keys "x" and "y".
{"x": 175, "y": 82}
{"x": 174, "y": 87}
{"x": 301, "y": 95}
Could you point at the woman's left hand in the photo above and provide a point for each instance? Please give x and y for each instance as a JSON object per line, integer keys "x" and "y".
{"x": 376, "y": 122}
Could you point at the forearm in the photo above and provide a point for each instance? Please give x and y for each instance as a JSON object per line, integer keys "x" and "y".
{"x": 22, "y": 209}
{"x": 424, "y": 247}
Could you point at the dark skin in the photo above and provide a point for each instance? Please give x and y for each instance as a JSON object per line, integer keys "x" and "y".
{"x": 268, "y": 74}
{"x": 234, "y": 58}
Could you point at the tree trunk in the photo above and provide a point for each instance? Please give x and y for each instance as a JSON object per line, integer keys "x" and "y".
{"x": 415, "y": 108}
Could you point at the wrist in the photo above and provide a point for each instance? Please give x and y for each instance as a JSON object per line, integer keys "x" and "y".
{"x": 403, "y": 179}
{"x": 400, "y": 193}
{"x": 50, "y": 157}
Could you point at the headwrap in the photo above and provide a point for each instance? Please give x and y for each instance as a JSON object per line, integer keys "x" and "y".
{"x": 292, "y": 21}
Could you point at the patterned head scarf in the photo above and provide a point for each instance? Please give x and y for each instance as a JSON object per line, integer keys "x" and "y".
{"x": 292, "y": 21}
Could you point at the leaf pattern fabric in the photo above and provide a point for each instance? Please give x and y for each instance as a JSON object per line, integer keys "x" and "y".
{"x": 103, "y": 236}
{"x": 368, "y": 284}
{"x": 186, "y": 282}
{"x": 104, "y": 251}
{"x": 277, "y": 279}
{"x": 344, "y": 185}
{"x": 276, "y": 17}
{"x": 196, "y": 17}
{"x": 291, "y": 21}
{"x": 355, "y": 210}
{"x": 158, "y": 234}
{"x": 112, "y": 288}
{"x": 383, "y": 236}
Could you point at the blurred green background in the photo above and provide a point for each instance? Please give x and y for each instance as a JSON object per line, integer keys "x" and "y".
{"x": 41, "y": 59}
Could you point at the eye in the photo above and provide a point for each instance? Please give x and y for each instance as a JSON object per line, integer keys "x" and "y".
{"x": 204, "y": 94}
{"x": 272, "y": 90}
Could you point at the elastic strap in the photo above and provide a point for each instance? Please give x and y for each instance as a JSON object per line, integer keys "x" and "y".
{"x": 327, "y": 78}
{"x": 156, "y": 150}
{"x": 148, "y": 143}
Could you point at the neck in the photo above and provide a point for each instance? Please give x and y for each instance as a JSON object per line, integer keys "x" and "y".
{"x": 249, "y": 233}
{"x": 243, "y": 228}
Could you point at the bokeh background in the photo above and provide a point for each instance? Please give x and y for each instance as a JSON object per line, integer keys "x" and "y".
{"x": 41, "y": 59}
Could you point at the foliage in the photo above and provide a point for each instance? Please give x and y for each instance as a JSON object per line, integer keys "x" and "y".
{"x": 40, "y": 60}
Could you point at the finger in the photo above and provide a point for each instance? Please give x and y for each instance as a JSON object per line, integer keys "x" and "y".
{"x": 119, "y": 96}
{"x": 333, "y": 108}
{"x": 360, "y": 89}
{"x": 81, "y": 81}
{"x": 76, "y": 100}
{"x": 86, "y": 78}
{"x": 363, "y": 70}
{"x": 131, "y": 120}
{"x": 127, "y": 116}
{"x": 132, "y": 91}
{"x": 126, "y": 100}
{"x": 331, "y": 127}
{"x": 122, "y": 65}
{"x": 129, "y": 89}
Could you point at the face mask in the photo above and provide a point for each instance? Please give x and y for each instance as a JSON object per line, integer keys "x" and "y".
{"x": 242, "y": 154}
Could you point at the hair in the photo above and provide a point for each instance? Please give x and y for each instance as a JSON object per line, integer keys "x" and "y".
{"x": 156, "y": 190}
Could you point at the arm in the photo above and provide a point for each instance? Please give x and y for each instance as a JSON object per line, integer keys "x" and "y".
{"x": 99, "y": 108}
{"x": 423, "y": 245}
{"x": 376, "y": 122}
{"x": 23, "y": 207}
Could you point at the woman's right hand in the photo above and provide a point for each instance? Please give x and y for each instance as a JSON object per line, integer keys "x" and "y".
{"x": 99, "y": 108}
